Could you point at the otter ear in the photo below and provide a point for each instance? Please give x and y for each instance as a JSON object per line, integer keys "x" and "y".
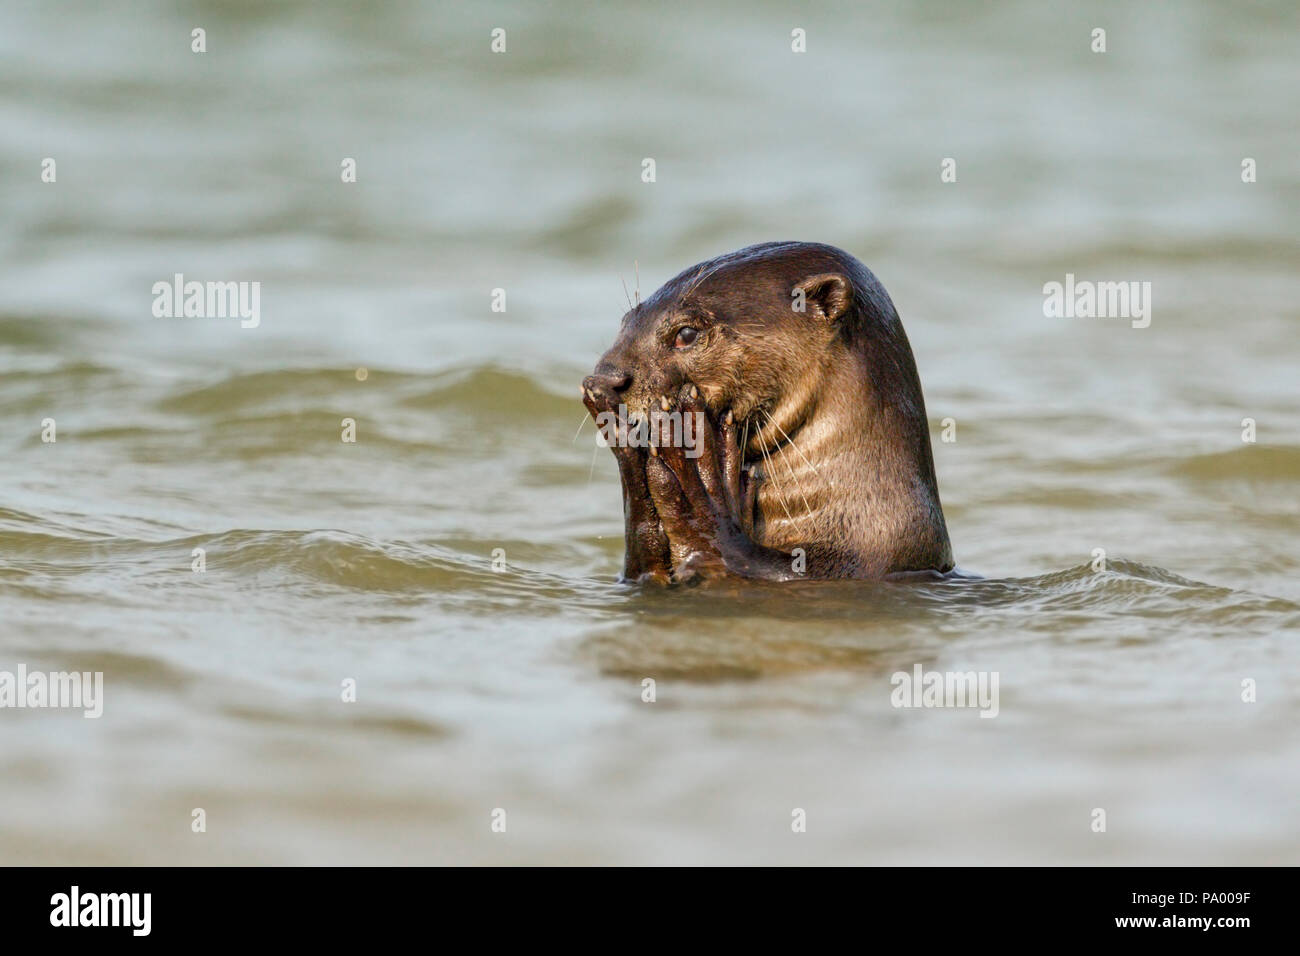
{"x": 829, "y": 294}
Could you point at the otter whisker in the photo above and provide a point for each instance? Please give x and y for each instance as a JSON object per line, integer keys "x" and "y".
{"x": 744, "y": 444}
{"x": 638, "y": 283}
{"x": 591, "y": 472}
{"x": 790, "y": 442}
{"x": 625, "y": 294}
{"x": 790, "y": 467}
{"x": 779, "y": 497}
{"x": 581, "y": 425}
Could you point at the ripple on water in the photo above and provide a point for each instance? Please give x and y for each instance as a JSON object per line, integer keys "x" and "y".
{"x": 750, "y": 630}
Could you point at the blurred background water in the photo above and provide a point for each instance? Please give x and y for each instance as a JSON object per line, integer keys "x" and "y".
{"x": 520, "y": 688}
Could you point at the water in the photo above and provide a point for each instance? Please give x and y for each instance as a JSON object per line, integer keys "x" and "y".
{"x": 521, "y": 689}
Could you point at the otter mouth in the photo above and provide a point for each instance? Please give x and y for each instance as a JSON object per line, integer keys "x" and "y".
{"x": 647, "y": 423}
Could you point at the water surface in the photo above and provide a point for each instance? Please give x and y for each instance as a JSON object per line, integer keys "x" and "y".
{"x": 520, "y": 688}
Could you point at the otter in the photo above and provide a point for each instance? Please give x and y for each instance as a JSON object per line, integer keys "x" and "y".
{"x": 813, "y": 459}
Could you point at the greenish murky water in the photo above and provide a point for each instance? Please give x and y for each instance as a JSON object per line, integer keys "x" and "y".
{"x": 521, "y": 688}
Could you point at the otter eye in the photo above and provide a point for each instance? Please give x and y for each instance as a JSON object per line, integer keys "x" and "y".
{"x": 686, "y": 337}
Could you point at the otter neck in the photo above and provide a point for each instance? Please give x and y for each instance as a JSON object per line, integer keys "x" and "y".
{"x": 775, "y": 427}
{"x": 791, "y": 442}
{"x": 823, "y": 452}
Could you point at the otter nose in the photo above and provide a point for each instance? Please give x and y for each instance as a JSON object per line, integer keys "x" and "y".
{"x": 613, "y": 379}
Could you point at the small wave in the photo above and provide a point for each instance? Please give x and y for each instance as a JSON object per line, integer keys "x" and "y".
{"x": 746, "y": 630}
{"x": 42, "y": 332}
{"x": 1246, "y": 463}
{"x": 265, "y": 414}
{"x": 265, "y": 389}
{"x": 40, "y": 556}
{"x": 490, "y": 390}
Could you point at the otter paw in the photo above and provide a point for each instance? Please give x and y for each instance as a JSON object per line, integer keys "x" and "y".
{"x": 646, "y": 558}
{"x": 696, "y": 479}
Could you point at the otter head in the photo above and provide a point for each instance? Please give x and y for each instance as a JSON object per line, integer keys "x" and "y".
{"x": 755, "y": 331}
